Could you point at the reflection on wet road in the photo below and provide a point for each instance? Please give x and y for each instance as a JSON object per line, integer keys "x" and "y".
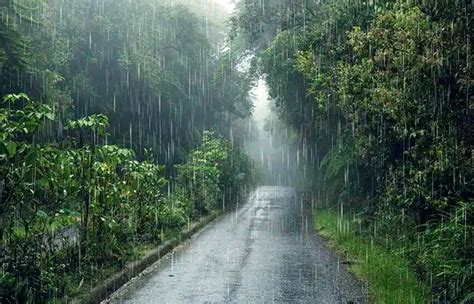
{"x": 264, "y": 252}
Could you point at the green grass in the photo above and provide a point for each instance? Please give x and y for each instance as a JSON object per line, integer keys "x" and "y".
{"x": 388, "y": 275}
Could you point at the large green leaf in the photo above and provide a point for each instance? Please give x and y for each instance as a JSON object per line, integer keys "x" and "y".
{"x": 11, "y": 148}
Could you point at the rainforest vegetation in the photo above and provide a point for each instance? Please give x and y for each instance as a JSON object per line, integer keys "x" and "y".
{"x": 380, "y": 95}
{"x": 116, "y": 131}
{"x": 122, "y": 121}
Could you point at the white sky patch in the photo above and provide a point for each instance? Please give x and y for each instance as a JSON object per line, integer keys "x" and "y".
{"x": 229, "y": 5}
{"x": 261, "y": 110}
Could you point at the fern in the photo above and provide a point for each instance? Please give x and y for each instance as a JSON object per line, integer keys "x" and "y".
{"x": 341, "y": 156}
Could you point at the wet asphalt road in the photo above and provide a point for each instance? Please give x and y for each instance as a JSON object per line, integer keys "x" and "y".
{"x": 266, "y": 251}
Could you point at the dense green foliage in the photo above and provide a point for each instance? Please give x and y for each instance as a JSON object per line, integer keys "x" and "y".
{"x": 125, "y": 91}
{"x": 157, "y": 70}
{"x": 381, "y": 95}
{"x": 214, "y": 174}
{"x": 71, "y": 208}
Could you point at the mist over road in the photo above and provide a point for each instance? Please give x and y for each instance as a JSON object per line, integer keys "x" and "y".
{"x": 263, "y": 252}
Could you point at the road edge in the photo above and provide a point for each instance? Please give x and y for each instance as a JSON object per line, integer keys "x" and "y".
{"x": 133, "y": 269}
{"x": 383, "y": 261}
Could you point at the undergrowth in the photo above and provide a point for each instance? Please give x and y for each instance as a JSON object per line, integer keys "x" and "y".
{"x": 388, "y": 275}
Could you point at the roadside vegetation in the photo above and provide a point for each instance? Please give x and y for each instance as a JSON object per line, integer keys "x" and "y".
{"x": 108, "y": 153}
{"x": 76, "y": 207}
{"x": 380, "y": 94}
{"x": 387, "y": 273}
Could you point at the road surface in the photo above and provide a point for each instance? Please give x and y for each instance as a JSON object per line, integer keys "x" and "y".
{"x": 266, "y": 251}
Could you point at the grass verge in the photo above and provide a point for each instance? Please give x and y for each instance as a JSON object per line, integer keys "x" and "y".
{"x": 389, "y": 276}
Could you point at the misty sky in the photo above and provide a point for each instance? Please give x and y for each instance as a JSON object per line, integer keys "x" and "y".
{"x": 228, "y": 4}
{"x": 261, "y": 110}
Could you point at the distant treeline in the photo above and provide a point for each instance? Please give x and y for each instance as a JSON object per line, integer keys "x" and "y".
{"x": 381, "y": 94}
